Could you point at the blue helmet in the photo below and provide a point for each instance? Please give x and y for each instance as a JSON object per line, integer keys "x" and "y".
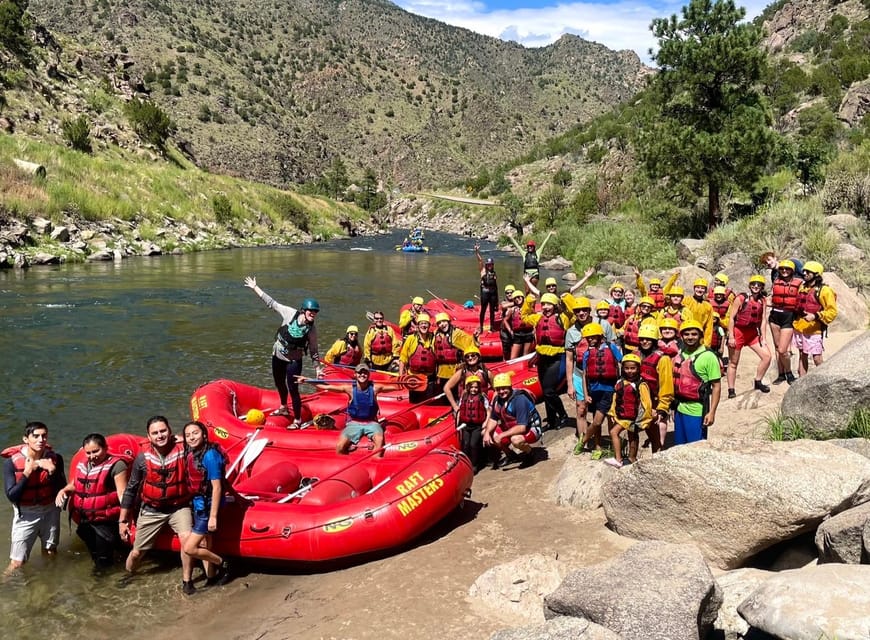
{"x": 310, "y": 304}
{"x": 469, "y": 304}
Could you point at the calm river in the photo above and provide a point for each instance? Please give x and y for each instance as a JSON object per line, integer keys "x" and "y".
{"x": 101, "y": 347}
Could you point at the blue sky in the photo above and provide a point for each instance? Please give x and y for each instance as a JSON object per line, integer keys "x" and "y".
{"x": 617, "y": 24}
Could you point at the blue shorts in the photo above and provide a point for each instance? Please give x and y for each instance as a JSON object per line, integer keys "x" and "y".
{"x": 354, "y": 431}
{"x": 578, "y": 388}
{"x": 688, "y": 428}
{"x": 200, "y": 522}
{"x": 600, "y": 401}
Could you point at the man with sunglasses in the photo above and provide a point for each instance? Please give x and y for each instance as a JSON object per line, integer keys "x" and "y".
{"x": 33, "y": 475}
{"x": 418, "y": 357}
{"x": 380, "y": 345}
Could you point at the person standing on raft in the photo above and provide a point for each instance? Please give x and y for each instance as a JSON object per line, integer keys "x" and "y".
{"x": 296, "y": 335}
{"x": 488, "y": 289}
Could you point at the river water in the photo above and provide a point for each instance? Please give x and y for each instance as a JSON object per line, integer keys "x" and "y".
{"x": 101, "y": 347}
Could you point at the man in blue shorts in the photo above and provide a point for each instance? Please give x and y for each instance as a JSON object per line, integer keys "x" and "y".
{"x": 600, "y": 366}
{"x": 697, "y": 385}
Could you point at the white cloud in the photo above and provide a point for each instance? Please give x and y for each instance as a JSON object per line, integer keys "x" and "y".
{"x": 619, "y": 25}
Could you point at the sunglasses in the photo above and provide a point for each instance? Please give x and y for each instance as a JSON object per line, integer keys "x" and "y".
{"x": 379, "y": 317}
{"x": 363, "y": 374}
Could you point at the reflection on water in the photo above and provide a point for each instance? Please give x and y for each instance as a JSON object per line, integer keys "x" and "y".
{"x": 101, "y": 347}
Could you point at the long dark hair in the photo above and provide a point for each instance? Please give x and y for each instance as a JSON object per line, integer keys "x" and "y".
{"x": 206, "y": 444}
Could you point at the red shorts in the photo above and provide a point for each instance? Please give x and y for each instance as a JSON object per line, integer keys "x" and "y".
{"x": 531, "y": 436}
{"x": 745, "y": 337}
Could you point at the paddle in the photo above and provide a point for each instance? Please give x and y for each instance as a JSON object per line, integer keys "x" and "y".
{"x": 439, "y": 299}
{"x": 252, "y": 453}
{"x": 242, "y": 453}
{"x": 411, "y": 382}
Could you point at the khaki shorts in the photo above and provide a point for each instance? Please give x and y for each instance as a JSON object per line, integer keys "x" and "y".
{"x": 150, "y": 522}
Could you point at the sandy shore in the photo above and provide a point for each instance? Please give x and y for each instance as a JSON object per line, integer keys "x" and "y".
{"x": 422, "y": 592}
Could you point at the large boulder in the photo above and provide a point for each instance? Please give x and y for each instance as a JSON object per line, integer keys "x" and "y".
{"x": 652, "y": 591}
{"x": 839, "y": 539}
{"x": 852, "y": 313}
{"x": 827, "y": 601}
{"x": 579, "y": 482}
{"x": 824, "y": 399}
{"x": 561, "y": 628}
{"x": 736, "y": 586}
{"x": 687, "y": 278}
{"x": 516, "y": 589}
{"x": 735, "y": 498}
{"x": 690, "y": 249}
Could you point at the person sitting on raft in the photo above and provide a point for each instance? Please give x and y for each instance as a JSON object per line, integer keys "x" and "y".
{"x": 346, "y": 350}
{"x": 362, "y": 410}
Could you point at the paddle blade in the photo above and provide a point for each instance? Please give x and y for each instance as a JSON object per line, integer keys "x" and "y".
{"x": 413, "y": 381}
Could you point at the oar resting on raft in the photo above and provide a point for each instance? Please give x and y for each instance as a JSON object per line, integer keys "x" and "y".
{"x": 410, "y": 382}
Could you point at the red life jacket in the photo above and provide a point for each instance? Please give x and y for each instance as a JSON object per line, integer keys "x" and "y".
{"x": 750, "y": 313}
{"x": 481, "y": 372}
{"x": 721, "y": 308}
{"x": 658, "y": 297}
{"x": 197, "y": 480}
{"x": 517, "y": 324}
{"x": 549, "y": 331}
{"x": 472, "y": 408}
{"x": 711, "y": 296}
{"x": 580, "y": 348}
{"x": 632, "y": 326}
{"x": 38, "y": 490}
{"x": 676, "y": 315}
{"x": 808, "y": 300}
{"x": 382, "y": 343}
{"x": 688, "y": 385}
{"x": 95, "y": 499}
{"x": 616, "y": 316}
{"x": 445, "y": 352}
{"x": 423, "y": 359}
{"x": 649, "y": 373}
{"x": 165, "y": 483}
{"x": 601, "y": 365}
{"x": 784, "y": 294}
{"x": 671, "y": 348}
{"x": 352, "y": 356}
{"x": 502, "y": 411}
{"x": 627, "y": 400}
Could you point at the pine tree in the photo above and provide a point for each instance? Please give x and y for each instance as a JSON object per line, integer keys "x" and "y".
{"x": 711, "y": 126}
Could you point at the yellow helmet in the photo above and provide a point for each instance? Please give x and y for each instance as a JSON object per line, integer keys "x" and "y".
{"x": 669, "y": 323}
{"x": 550, "y": 281}
{"x": 591, "y": 329}
{"x": 352, "y": 329}
{"x": 814, "y": 267}
{"x": 442, "y": 316}
{"x": 657, "y": 281}
{"x": 617, "y": 285}
{"x": 602, "y": 305}
{"x": 255, "y": 416}
{"x": 471, "y": 349}
{"x": 720, "y": 291}
{"x": 721, "y": 277}
{"x": 501, "y": 380}
{"x": 700, "y": 282}
{"x": 785, "y": 264}
{"x": 472, "y": 378}
{"x": 691, "y": 324}
{"x": 649, "y": 331}
{"x": 581, "y": 303}
{"x": 517, "y": 294}
{"x": 423, "y": 317}
{"x": 646, "y": 300}
{"x": 757, "y": 278}
{"x": 509, "y": 288}
{"x": 550, "y": 298}
{"x": 676, "y": 291}
{"x": 417, "y": 300}
{"x": 631, "y": 357}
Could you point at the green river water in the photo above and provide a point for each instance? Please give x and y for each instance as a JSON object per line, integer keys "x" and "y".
{"x": 101, "y": 347}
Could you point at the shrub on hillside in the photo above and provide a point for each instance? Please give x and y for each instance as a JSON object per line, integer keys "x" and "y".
{"x": 620, "y": 241}
{"x": 13, "y": 26}
{"x": 223, "y": 209}
{"x": 77, "y": 133}
{"x": 289, "y": 209}
{"x": 149, "y": 122}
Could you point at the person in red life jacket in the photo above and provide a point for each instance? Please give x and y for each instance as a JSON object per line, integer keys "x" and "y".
{"x": 575, "y": 347}
{"x": 747, "y": 320}
{"x": 206, "y": 467}
{"x": 33, "y": 475}
{"x": 721, "y": 303}
{"x": 631, "y": 411}
{"x": 504, "y": 328}
{"x": 617, "y": 299}
{"x": 600, "y": 366}
{"x": 158, "y": 479}
{"x": 450, "y": 343}
{"x": 522, "y": 333}
{"x": 816, "y": 309}
{"x": 346, "y": 350}
{"x": 472, "y": 411}
{"x": 669, "y": 343}
{"x": 630, "y": 302}
{"x": 674, "y": 307}
{"x": 94, "y": 495}
{"x": 612, "y": 315}
{"x": 550, "y": 329}
{"x": 296, "y": 336}
{"x": 633, "y": 323}
{"x": 418, "y": 357}
{"x": 721, "y": 279}
{"x": 697, "y": 386}
{"x": 408, "y": 317}
{"x": 656, "y": 291}
{"x": 513, "y": 420}
{"x": 471, "y": 365}
{"x": 783, "y": 305}
{"x": 381, "y": 345}
{"x": 656, "y": 369}
{"x": 488, "y": 289}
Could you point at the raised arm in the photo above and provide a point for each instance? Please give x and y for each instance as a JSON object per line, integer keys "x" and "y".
{"x": 589, "y": 273}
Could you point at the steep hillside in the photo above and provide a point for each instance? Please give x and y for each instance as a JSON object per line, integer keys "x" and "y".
{"x": 275, "y": 90}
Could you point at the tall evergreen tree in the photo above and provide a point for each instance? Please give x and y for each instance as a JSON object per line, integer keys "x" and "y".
{"x": 711, "y": 128}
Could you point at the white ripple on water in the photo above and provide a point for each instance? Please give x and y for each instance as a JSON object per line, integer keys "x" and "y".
{"x": 68, "y": 305}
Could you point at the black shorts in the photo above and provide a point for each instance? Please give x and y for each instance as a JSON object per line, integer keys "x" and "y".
{"x": 523, "y": 338}
{"x": 782, "y": 319}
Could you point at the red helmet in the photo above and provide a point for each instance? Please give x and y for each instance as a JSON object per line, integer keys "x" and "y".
{"x": 531, "y": 243}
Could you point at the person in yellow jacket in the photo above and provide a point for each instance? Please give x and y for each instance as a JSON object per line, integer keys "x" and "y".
{"x": 631, "y": 410}
{"x": 674, "y": 307}
{"x": 408, "y": 317}
{"x": 657, "y": 370}
{"x": 418, "y": 357}
{"x": 656, "y": 291}
{"x": 551, "y": 327}
{"x": 346, "y": 350}
{"x": 702, "y": 310}
{"x": 816, "y": 309}
{"x": 450, "y": 343}
{"x": 381, "y": 345}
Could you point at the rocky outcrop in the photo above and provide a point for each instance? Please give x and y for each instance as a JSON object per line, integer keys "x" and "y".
{"x": 852, "y": 312}
{"x": 827, "y": 601}
{"x": 736, "y": 586}
{"x": 799, "y": 16}
{"x": 516, "y": 589}
{"x": 855, "y": 104}
{"x": 840, "y": 539}
{"x": 734, "y": 499}
{"x": 673, "y": 581}
{"x": 824, "y": 399}
{"x": 561, "y": 628}
{"x": 579, "y": 482}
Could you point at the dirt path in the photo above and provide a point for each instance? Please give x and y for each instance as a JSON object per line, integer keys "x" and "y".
{"x": 422, "y": 593}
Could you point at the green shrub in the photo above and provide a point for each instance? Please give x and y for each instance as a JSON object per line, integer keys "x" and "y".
{"x": 13, "y": 26}
{"x": 562, "y": 178}
{"x": 289, "y": 209}
{"x": 77, "y": 133}
{"x": 625, "y": 242}
{"x": 222, "y": 208}
{"x": 781, "y": 428}
{"x": 149, "y": 122}
{"x": 859, "y": 423}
